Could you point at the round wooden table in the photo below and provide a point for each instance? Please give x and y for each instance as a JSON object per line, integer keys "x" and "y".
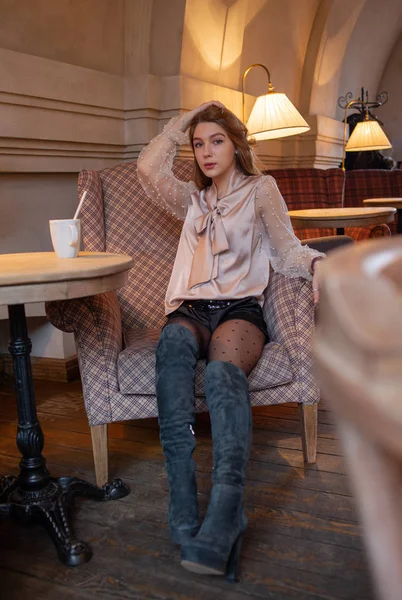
{"x": 339, "y": 218}
{"x": 394, "y": 202}
{"x": 34, "y": 496}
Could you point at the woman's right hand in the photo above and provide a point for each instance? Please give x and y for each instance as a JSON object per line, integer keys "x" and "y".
{"x": 187, "y": 117}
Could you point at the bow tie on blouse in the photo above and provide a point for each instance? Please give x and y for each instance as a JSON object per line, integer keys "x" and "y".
{"x": 212, "y": 241}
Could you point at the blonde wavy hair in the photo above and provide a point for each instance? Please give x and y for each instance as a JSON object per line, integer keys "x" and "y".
{"x": 246, "y": 160}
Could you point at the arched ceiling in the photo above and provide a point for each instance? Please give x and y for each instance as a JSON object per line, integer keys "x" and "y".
{"x": 316, "y": 50}
{"x": 349, "y": 48}
{"x": 222, "y": 38}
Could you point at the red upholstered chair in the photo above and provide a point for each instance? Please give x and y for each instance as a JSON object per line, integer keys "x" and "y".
{"x": 372, "y": 183}
{"x": 310, "y": 188}
{"x": 322, "y": 188}
{"x": 116, "y": 333}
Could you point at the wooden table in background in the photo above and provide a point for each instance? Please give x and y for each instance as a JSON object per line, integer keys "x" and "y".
{"x": 339, "y": 218}
{"x": 394, "y": 202}
{"x": 34, "y": 496}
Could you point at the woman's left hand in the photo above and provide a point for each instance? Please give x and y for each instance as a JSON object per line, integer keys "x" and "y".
{"x": 317, "y": 281}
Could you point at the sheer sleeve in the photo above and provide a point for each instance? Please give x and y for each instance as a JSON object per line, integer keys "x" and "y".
{"x": 286, "y": 254}
{"x": 154, "y": 169}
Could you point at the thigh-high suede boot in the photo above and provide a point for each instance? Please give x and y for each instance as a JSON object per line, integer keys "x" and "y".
{"x": 215, "y": 550}
{"x": 176, "y": 359}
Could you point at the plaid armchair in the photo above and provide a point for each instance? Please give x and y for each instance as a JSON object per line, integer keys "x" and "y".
{"x": 116, "y": 333}
{"x": 322, "y": 188}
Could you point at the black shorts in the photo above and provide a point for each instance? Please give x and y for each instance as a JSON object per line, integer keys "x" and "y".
{"x": 212, "y": 313}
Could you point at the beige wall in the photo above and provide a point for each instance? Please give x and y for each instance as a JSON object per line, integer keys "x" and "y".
{"x": 321, "y": 81}
{"x": 28, "y": 201}
{"x": 278, "y": 37}
{"x": 370, "y": 47}
{"x": 166, "y": 35}
{"x": 46, "y": 341}
{"x": 391, "y": 113}
{"x": 244, "y": 32}
{"x": 349, "y": 47}
{"x": 86, "y": 33}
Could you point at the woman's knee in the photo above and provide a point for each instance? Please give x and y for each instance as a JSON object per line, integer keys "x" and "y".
{"x": 199, "y": 333}
{"x": 183, "y": 331}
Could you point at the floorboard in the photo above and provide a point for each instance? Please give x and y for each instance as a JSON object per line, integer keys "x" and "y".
{"x": 303, "y": 539}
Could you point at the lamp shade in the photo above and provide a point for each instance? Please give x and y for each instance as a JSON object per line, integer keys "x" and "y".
{"x": 274, "y": 116}
{"x": 367, "y": 135}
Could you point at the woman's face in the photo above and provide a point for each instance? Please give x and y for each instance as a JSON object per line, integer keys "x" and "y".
{"x": 214, "y": 151}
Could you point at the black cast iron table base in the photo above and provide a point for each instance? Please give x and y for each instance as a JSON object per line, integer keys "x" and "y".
{"x": 51, "y": 508}
{"x": 34, "y": 496}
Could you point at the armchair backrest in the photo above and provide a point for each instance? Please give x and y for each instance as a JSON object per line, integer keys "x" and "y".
{"x": 310, "y": 188}
{"x": 118, "y": 217}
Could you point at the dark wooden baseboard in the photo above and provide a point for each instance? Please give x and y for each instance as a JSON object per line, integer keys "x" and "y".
{"x": 49, "y": 369}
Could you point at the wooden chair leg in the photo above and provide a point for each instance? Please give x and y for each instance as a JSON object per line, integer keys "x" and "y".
{"x": 100, "y": 452}
{"x": 308, "y": 419}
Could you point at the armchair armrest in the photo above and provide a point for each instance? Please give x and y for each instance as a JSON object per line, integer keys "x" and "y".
{"x": 327, "y": 243}
{"x": 289, "y": 313}
{"x": 96, "y": 323}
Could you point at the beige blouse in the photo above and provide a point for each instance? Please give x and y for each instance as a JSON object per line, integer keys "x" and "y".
{"x": 226, "y": 246}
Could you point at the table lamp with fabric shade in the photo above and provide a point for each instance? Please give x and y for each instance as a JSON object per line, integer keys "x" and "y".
{"x": 368, "y": 134}
{"x": 273, "y": 115}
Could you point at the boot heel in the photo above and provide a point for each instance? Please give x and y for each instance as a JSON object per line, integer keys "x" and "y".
{"x": 233, "y": 560}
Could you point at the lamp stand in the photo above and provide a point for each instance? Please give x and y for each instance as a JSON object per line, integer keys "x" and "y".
{"x": 246, "y": 72}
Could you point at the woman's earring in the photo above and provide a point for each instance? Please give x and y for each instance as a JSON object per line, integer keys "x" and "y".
{"x": 236, "y": 152}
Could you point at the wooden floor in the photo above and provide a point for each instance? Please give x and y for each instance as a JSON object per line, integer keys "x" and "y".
{"x": 303, "y": 541}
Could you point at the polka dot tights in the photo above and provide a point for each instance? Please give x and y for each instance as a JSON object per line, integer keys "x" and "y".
{"x": 235, "y": 341}
{"x": 238, "y": 342}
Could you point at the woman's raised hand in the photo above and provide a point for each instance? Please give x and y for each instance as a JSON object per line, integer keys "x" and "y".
{"x": 186, "y": 118}
{"x": 206, "y": 104}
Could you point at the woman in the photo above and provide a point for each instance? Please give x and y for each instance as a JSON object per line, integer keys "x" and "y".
{"x": 235, "y": 226}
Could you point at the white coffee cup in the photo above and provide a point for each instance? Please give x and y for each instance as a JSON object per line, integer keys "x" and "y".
{"x": 66, "y": 237}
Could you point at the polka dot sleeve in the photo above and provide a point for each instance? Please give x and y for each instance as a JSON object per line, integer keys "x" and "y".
{"x": 286, "y": 254}
{"x": 154, "y": 169}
